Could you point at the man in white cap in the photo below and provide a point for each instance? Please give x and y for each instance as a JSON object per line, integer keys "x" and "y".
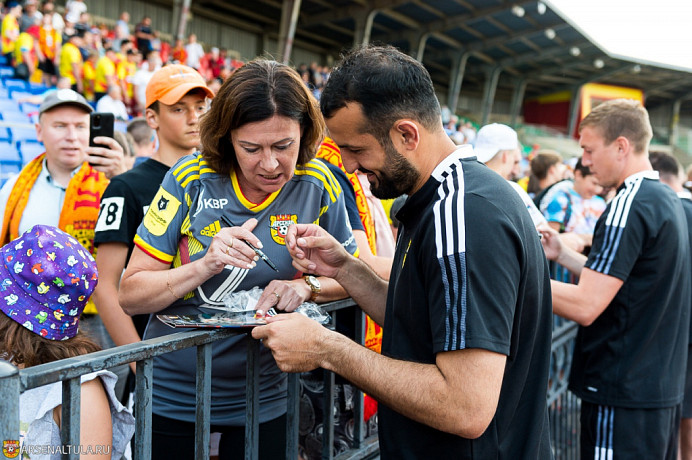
{"x": 498, "y": 147}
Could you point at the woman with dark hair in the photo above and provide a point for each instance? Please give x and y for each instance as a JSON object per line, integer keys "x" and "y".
{"x": 547, "y": 168}
{"x": 256, "y": 169}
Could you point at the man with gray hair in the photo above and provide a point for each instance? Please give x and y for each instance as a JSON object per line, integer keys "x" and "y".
{"x": 633, "y": 297}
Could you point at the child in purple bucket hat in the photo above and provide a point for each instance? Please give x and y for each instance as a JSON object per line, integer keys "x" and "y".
{"x": 46, "y": 278}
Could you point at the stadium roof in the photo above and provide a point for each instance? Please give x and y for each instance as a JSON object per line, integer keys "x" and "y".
{"x": 534, "y": 43}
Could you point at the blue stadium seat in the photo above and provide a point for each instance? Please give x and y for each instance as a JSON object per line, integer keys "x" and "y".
{"x": 28, "y": 150}
{"x": 6, "y": 71}
{"x": 37, "y": 88}
{"x": 5, "y": 136}
{"x": 8, "y": 170}
{"x": 23, "y": 134}
{"x": 18, "y": 93}
{"x": 14, "y": 117}
{"x": 8, "y": 105}
{"x": 14, "y": 83}
{"x": 9, "y": 153}
{"x": 28, "y": 107}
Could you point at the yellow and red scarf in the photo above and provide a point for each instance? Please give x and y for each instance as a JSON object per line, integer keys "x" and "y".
{"x": 80, "y": 209}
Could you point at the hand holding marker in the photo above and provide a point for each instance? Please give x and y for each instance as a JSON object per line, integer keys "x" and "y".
{"x": 259, "y": 252}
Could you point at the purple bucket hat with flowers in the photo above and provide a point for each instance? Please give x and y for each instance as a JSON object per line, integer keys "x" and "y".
{"x": 46, "y": 278}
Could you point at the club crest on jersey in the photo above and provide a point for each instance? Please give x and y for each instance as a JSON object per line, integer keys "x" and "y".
{"x": 279, "y": 226}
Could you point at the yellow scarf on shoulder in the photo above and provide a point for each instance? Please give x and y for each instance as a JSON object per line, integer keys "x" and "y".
{"x": 80, "y": 209}
{"x": 330, "y": 152}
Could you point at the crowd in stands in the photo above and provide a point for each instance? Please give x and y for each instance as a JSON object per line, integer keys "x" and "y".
{"x": 42, "y": 45}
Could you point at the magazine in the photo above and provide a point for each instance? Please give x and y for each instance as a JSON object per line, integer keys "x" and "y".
{"x": 237, "y": 319}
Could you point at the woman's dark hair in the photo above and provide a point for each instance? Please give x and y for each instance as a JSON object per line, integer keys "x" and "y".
{"x": 21, "y": 346}
{"x": 256, "y": 92}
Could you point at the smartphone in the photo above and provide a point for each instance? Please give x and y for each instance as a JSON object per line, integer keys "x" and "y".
{"x": 101, "y": 124}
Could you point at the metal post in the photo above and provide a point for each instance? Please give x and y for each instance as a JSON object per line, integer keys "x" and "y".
{"x": 9, "y": 415}
{"x": 175, "y": 17}
{"x": 182, "y": 22}
{"x": 492, "y": 78}
{"x": 328, "y": 417}
{"x": 143, "y": 387}
{"x": 252, "y": 400}
{"x": 203, "y": 401}
{"x": 287, "y": 30}
{"x": 421, "y": 46}
{"x": 368, "y": 26}
{"x": 358, "y": 409}
{"x": 517, "y": 99}
{"x": 457, "y": 78}
{"x": 292, "y": 416}
{"x": 574, "y": 111}
{"x": 69, "y": 432}
{"x": 674, "y": 123}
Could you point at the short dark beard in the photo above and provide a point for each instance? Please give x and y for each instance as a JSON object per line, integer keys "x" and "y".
{"x": 398, "y": 177}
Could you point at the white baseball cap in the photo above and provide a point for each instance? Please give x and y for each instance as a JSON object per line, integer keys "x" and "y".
{"x": 493, "y": 138}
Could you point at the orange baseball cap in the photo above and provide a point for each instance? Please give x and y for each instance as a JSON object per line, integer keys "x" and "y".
{"x": 170, "y": 83}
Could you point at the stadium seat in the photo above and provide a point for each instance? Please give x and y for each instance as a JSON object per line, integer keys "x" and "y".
{"x": 27, "y": 133}
{"x": 6, "y": 72}
{"x": 14, "y": 83}
{"x": 14, "y": 117}
{"x": 28, "y": 108}
{"x": 37, "y": 88}
{"x": 8, "y": 105}
{"x": 28, "y": 150}
{"x": 18, "y": 93}
{"x": 9, "y": 153}
{"x": 7, "y": 170}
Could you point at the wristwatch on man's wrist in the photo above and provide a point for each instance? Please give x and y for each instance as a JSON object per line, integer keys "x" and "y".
{"x": 314, "y": 285}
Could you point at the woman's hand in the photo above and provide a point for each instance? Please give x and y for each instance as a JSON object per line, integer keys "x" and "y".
{"x": 227, "y": 248}
{"x": 284, "y": 295}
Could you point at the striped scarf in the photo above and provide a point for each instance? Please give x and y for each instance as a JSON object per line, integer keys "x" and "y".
{"x": 80, "y": 209}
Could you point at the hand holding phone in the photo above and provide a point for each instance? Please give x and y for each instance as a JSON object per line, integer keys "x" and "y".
{"x": 101, "y": 124}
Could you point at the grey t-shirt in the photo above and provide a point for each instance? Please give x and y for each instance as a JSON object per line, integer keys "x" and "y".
{"x": 178, "y": 228}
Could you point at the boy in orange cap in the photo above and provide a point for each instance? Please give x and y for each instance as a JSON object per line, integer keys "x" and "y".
{"x": 175, "y": 99}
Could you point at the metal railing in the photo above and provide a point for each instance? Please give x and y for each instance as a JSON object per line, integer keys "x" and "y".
{"x": 13, "y": 382}
{"x": 563, "y": 406}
